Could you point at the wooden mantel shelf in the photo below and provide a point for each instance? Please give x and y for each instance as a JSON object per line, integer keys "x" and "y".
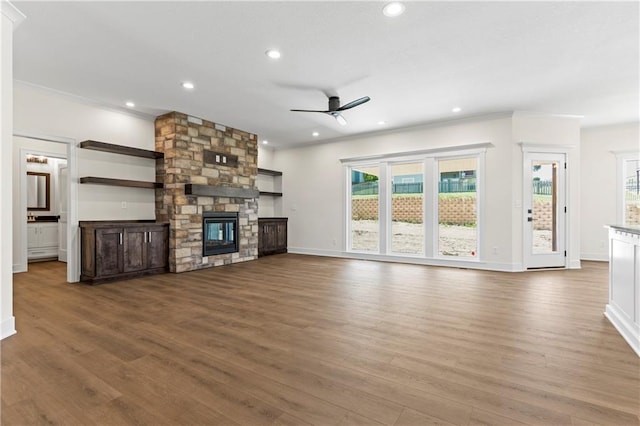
{"x": 121, "y": 182}
{"x": 119, "y": 149}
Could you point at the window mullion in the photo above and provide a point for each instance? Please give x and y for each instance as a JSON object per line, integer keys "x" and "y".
{"x": 384, "y": 207}
{"x": 430, "y": 206}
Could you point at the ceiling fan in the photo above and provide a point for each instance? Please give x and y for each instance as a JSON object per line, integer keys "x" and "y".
{"x": 335, "y": 109}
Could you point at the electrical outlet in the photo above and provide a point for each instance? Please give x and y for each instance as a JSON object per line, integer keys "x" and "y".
{"x": 124, "y": 204}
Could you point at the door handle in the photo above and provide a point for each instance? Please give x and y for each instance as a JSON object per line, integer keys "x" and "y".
{"x": 120, "y": 233}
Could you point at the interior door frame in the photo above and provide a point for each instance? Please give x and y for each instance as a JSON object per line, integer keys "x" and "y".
{"x": 63, "y": 253}
{"x": 73, "y": 242}
{"x": 527, "y": 152}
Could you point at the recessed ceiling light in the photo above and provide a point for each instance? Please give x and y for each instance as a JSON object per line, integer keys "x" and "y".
{"x": 130, "y": 104}
{"x": 315, "y": 134}
{"x": 382, "y": 123}
{"x": 273, "y": 53}
{"x": 393, "y": 9}
{"x": 456, "y": 109}
{"x": 188, "y": 85}
{"x": 265, "y": 142}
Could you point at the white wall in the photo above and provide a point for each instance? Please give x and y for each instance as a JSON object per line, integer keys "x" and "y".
{"x": 51, "y": 114}
{"x": 313, "y": 183}
{"x": 598, "y": 176}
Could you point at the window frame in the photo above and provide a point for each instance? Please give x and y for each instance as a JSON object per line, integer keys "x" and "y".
{"x": 429, "y": 158}
{"x": 480, "y": 158}
{"x": 621, "y": 159}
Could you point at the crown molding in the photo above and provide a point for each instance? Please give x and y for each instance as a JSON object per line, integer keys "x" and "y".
{"x": 12, "y": 13}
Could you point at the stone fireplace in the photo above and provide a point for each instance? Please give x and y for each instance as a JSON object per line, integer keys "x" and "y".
{"x": 209, "y": 171}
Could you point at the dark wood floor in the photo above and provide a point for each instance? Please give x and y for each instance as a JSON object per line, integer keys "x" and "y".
{"x": 306, "y": 340}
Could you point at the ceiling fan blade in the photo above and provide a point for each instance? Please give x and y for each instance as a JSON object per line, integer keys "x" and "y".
{"x": 354, "y": 103}
{"x": 309, "y": 110}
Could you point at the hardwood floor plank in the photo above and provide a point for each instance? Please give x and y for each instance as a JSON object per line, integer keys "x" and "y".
{"x": 303, "y": 340}
{"x": 411, "y": 418}
{"x": 484, "y": 418}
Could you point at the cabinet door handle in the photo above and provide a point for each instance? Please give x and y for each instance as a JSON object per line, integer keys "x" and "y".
{"x": 145, "y": 237}
{"x": 149, "y": 236}
{"x": 120, "y": 238}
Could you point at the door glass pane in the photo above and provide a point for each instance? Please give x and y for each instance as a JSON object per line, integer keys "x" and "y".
{"x": 544, "y": 207}
{"x": 364, "y": 209}
{"x": 457, "y": 207}
{"x": 631, "y": 176}
{"x": 407, "y": 228}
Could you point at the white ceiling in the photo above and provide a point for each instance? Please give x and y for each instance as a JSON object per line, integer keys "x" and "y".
{"x": 577, "y": 58}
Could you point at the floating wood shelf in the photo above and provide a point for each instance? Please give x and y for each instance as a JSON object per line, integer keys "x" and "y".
{"x": 219, "y": 191}
{"x": 121, "y": 182}
{"x": 272, "y": 194}
{"x": 269, "y": 172}
{"x": 119, "y": 149}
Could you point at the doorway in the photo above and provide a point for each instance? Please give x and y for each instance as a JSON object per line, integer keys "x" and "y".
{"x": 67, "y": 230}
{"x": 545, "y": 210}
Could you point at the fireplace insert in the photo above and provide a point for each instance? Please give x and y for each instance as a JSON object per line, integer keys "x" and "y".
{"x": 219, "y": 233}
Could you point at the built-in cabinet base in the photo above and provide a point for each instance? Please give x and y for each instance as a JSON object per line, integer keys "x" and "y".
{"x": 113, "y": 251}
{"x": 272, "y": 236}
{"x": 42, "y": 241}
{"x": 623, "y": 309}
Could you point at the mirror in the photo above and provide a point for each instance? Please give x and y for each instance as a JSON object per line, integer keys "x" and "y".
{"x": 38, "y": 191}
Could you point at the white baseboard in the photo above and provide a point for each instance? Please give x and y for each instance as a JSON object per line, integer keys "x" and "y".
{"x": 601, "y": 257}
{"x": 627, "y": 329}
{"x": 19, "y": 267}
{"x": 574, "y": 264}
{"x": 469, "y": 264}
{"x": 8, "y": 327}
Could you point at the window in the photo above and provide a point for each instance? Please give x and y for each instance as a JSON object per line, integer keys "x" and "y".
{"x": 457, "y": 207}
{"x": 364, "y": 223}
{"x": 424, "y": 205}
{"x": 407, "y": 208}
{"x": 629, "y": 189}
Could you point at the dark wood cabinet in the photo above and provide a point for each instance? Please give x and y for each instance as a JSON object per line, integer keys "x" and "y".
{"x": 272, "y": 235}
{"x": 107, "y": 258}
{"x": 121, "y": 250}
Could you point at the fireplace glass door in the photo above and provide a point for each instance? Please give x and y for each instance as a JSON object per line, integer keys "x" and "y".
{"x": 219, "y": 233}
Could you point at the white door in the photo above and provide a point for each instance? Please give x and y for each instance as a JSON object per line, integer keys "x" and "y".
{"x": 63, "y": 176}
{"x": 544, "y": 210}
